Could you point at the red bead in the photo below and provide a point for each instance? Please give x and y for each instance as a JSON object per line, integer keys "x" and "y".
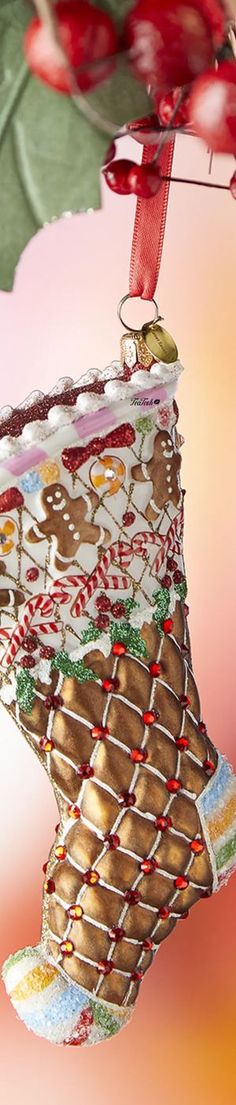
{"x": 116, "y": 934}
{"x": 164, "y": 912}
{"x": 27, "y": 662}
{"x": 182, "y": 744}
{"x": 118, "y": 649}
{"x": 61, "y": 852}
{"x": 110, "y": 685}
{"x": 46, "y": 744}
{"x": 209, "y": 766}
{"x": 128, "y": 518}
{"x": 49, "y": 886}
{"x": 184, "y": 701}
{"x": 30, "y": 643}
{"x": 118, "y": 610}
{"x": 150, "y": 716}
{"x": 102, "y": 621}
{"x": 173, "y": 785}
{"x": 126, "y": 798}
{"x": 91, "y": 877}
{"x": 163, "y": 823}
{"x": 202, "y": 727}
{"x": 137, "y": 976}
{"x": 73, "y": 811}
{"x": 167, "y": 625}
{"x": 132, "y": 897}
{"x": 181, "y": 882}
{"x": 113, "y": 840}
{"x": 67, "y": 947}
{"x": 85, "y": 771}
{"x": 166, "y": 581}
{"x": 148, "y": 944}
{"x": 197, "y": 847}
{"x": 103, "y": 603}
{"x": 139, "y": 755}
{"x": 75, "y": 912}
{"x": 117, "y": 176}
{"x": 145, "y": 180}
{"x": 47, "y": 652}
{"x": 213, "y": 108}
{"x": 184, "y": 915}
{"x": 147, "y": 866}
{"x": 53, "y": 701}
{"x": 232, "y": 186}
{"x": 155, "y": 669}
{"x": 105, "y": 966}
{"x": 99, "y": 732}
{"x": 89, "y": 41}
{"x": 32, "y": 574}
{"x": 44, "y": 868}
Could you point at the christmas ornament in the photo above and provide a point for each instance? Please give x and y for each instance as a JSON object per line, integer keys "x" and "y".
{"x": 85, "y": 33}
{"x": 171, "y": 42}
{"x": 213, "y": 108}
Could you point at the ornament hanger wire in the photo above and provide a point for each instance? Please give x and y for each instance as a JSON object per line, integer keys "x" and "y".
{"x": 133, "y": 329}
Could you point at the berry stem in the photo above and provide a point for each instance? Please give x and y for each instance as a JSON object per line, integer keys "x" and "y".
{"x": 199, "y": 183}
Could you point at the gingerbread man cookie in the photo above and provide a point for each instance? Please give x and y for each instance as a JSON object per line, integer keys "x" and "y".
{"x": 66, "y": 520}
{"x": 163, "y": 469}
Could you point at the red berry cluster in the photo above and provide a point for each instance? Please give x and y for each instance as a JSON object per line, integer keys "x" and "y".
{"x": 105, "y": 608}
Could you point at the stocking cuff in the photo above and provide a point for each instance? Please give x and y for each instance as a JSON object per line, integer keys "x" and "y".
{"x": 217, "y": 810}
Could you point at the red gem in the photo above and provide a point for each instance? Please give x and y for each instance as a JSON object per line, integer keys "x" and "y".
{"x": 116, "y": 934}
{"x": 163, "y": 823}
{"x": 85, "y": 771}
{"x": 164, "y": 912}
{"x": 75, "y": 912}
{"x": 138, "y": 755}
{"x": 150, "y": 716}
{"x": 44, "y": 868}
{"x": 32, "y": 574}
{"x": 127, "y": 798}
{"x": 167, "y": 625}
{"x": 47, "y": 652}
{"x": 53, "y": 701}
{"x": 118, "y": 610}
{"x": 67, "y": 947}
{"x": 46, "y": 744}
{"x": 173, "y": 785}
{"x": 181, "y": 743}
{"x": 184, "y": 915}
{"x": 103, "y": 603}
{"x": 148, "y": 866}
{"x": 197, "y": 847}
{"x": 105, "y": 966}
{"x": 155, "y": 668}
{"x": 27, "y": 662}
{"x": 148, "y": 944}
{"x": 99, "y": 732}
{"x": 184, "y": 700}
{"x": 57, "y": 827}
{"x": 186, "y": 610}
{"x": 102, "y": 621}
{"x": 49, "y": 886}
{"x": 209, "y": 766}
{"x": 112, "y": 840}
{"x": 118, "y": 649}
{"x": 110, "y": 685}
{"x": 128, "y": 518}
{"x": 202, "y": 727}
{"x": 137, "y": 976}
{"x": 91, "y": 877}
{"x": 181, "y": 882}
{"x": 60, "y": 852}
{"x": 74, "y": 812}
{"x": 133, "y": 897}
{"x": 166, "y": 581}
{"x": 30, "y": 644}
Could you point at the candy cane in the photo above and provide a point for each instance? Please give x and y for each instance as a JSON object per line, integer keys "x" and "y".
{"x": 121, "y": 551}
{"x": 38, "y": 602}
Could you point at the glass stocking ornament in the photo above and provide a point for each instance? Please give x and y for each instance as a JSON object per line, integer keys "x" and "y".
{"x": 96, "y": 670}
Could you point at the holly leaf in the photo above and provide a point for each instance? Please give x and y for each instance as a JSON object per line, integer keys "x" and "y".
{"x": 51, "y": 146}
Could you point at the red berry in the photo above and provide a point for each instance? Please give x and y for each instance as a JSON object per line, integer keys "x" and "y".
{"x": 178, "y": 576}
{"x": 103, "y": 603}
{"x": 145, "y": 180}
{"x": 170, "y": 43}
{"x": 118, "y": 610}
{"x": 32, "y": 574}
{"x": 145, "y": 130}
{"x": 53, "y": 701}
{"x": 102, "y": 621}
{"x": 232, "y": 186}
{"x": 128, "y": 518}
{"x": 171, "y": 563}
{"x": 27, "y": 662}
{"x": 117, "y": 176}
{"x": 47, "y": 652}
{"x": 30, "y": 644}
{"x": 167, "y": 109}
{"x": 213, "y": 108}
{"x": 87, "y": 35}
{"x": 166, "y": 581}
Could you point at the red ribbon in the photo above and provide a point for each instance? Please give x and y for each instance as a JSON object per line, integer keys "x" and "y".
{"x": 149, "y": 228}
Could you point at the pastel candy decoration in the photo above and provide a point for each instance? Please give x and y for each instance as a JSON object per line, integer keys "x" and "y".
{"x": 107, "y": 475}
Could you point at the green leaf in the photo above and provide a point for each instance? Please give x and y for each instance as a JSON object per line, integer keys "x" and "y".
{"x": 75, "y": 668}
{"x": 50, "y": 152}
{"x": 162, "y": 602}
{"x": 127, "y": 635}
{"x": 91, "y": 633}
{"x": 25, "y": 690}
{"x": 181, "y": 590}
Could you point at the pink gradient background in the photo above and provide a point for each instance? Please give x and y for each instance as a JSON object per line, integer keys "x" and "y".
{"x": 61, "y": 319}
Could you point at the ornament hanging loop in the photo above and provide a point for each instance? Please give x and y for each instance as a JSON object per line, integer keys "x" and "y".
{"x": 156, "y": 317}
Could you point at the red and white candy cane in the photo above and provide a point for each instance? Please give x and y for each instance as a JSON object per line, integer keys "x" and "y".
{"x": 38, "y": 602}
{"x": 121, "y": 551}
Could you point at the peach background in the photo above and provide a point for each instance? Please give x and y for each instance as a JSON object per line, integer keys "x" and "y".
{"x": 61, "y": 319}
